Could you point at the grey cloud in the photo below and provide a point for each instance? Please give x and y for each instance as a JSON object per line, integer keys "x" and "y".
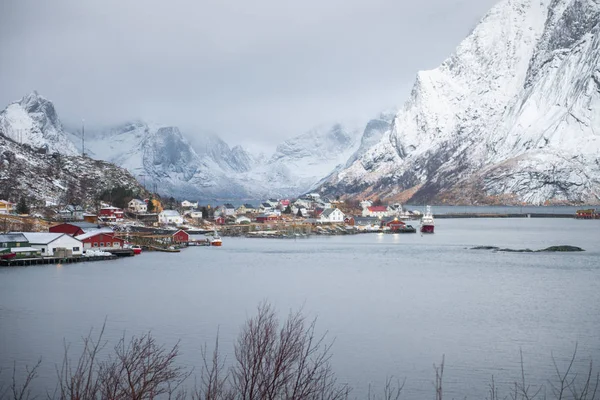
{"x": 247, "y": 70}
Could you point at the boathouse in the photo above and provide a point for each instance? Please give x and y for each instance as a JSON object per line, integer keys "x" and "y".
{"x": 101, "y": 240}
{"x": 8, "y": 240}
{"x": 266, "y": 218}
{"x": 394, "y": 224}
{"x": 180, "y": 236}
{"x": 48, "y": 243}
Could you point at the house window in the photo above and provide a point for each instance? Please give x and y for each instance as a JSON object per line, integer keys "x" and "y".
{"x": 54, "y": 250}
{"x": 43, "y": 250}
{"x": 115, "y": 244}
{"x": 75, "y": 248}
{"x": 101, "y": 244}
{"x": 95, "y": 244}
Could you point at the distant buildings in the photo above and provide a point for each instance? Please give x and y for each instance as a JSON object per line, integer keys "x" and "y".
{"x": 189, "y": 204}
{"x": 137, "y": 206}
{"x": 110, "y": 214}
{"x": 50, "y": 243}
{"x": 6, "y": 207}
{"x": 170, "y": 217}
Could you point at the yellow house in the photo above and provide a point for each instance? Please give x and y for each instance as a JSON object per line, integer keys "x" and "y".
{"x": 6, "y": 207}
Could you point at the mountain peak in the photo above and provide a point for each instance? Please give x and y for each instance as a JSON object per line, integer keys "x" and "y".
{"x": 33, "y": 120}
{"x": 507, "y": 117}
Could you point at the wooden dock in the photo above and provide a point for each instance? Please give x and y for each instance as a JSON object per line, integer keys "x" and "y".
{"x": 20, "y": 262}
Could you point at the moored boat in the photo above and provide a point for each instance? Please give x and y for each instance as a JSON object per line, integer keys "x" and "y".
{"x": 215, "y": 240}
{"x": 136, "y": 250}
{"x": 427, "y": 222}
{"x": 7, "y": 256}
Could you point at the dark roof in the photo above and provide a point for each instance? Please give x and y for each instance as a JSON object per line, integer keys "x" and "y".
{"x": 228, "y": 205}
{"x": 327, "y": 212}
{"x": 266, "y": 205}
{"x": 248, "y": 205}
{"x": 83, "y": 225}
{"x": 12, "y": 237}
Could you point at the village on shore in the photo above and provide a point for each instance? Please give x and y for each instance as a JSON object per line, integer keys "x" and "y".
{"x": 75, "y": 233}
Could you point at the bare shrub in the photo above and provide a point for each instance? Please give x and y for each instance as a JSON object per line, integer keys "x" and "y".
{"x": 139, "y": 369}
{"x": 391, "y": 391}
{"x": 287, "y": 362}
{"x": 18, "y": 391}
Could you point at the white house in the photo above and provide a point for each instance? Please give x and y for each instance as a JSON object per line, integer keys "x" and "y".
{"x": 194, "y": 214}
{"x": 227, "y": 210}
{"x": 48, "y": 242}
{"x": 6, "y": 207}
{"x": 72, "y": 213}
{"x": 189, "y": 204}
{"x": 242, "y": 220}
{"x": 376, "y": 211}
{"x": 303, "y": 211}
{"x": 365, "y": 203}
{"x": 304, "y": 202}
{"x": 137, "y": 206}
{"x": 170, "y": 217}
{"x": 332, "y": 216}
{"x": 266, "y": 208}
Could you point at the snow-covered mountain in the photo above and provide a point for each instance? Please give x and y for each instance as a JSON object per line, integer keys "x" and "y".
{"x": 34, "y": 121}
{"x": 46, "y": 179}
{"x": 512, "y": 116}
{"x": 299, "y": 163}
{"x": 163, "y": 159}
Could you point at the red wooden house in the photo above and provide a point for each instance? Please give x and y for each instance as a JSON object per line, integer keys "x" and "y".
{"x": 220, "y": 220}
{"x": 394, "y": 224}
{"x": 266, "y": 218}
{"x": 349, "y": 220}
{"x": 180, "y": 236}
{"x": 110, "y": 213}
{"x": 100, "y": 240}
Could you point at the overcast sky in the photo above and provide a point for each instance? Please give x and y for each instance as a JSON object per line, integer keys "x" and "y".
{"x": 248, "y": 70}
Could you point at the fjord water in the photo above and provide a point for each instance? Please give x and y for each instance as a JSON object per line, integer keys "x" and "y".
{"x": 394, "y": 303}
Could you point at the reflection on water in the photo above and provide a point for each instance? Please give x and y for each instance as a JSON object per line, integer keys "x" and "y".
{"x": 394, "y": 303}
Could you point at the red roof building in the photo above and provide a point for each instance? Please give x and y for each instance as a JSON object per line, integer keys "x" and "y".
{"x": 100, "y": 241}
{"x": 73, "y": 228}
{"x": 266, "y": 218}
{"x": 111, "y": 213}
{"x": 181, "y": 236}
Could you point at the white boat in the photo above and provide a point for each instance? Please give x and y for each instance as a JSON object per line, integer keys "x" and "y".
{"x": 427, "y": 222}
{"x": 216, "y": 239}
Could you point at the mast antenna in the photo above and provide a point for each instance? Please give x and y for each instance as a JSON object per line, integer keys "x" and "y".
{"x": 82, "y": 137}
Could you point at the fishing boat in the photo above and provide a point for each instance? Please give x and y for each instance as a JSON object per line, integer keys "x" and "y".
{"x": 136, "y": 250}
{"x": 427, "y": 222}
{"x": 216, "y": 239}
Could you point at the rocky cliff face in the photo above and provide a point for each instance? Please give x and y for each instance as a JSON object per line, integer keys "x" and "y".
{"x": 56, "y": 179}
{"x": 509, "y": 117}
{"x": 34, "y": 121}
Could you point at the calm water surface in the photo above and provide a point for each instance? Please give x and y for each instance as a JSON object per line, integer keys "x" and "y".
{"x": 394, "y": 303}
